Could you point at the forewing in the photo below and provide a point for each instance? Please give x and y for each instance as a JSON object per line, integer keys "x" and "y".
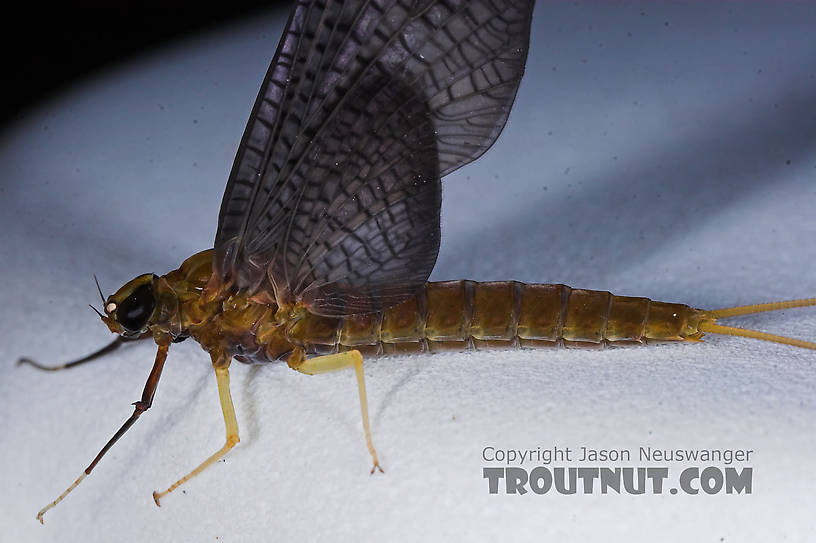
{"x": 333, "y": 199}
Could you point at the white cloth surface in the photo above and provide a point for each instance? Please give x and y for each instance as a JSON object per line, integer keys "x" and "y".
{"x": 660, "y": 150}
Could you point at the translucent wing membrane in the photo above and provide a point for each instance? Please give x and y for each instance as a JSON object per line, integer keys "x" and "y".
{"x": 368, "y": 235}
{"x": 333, "y": 199}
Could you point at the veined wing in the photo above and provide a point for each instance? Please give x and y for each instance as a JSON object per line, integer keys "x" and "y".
{"x": 333, "y": 199}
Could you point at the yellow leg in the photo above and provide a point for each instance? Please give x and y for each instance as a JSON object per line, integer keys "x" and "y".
{"x": 222, "y": 376}
{"x": 332, "y": 362}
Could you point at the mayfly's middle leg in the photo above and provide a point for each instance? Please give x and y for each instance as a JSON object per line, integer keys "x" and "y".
{"x": 221, "y": 365}
{"x": 332, "y": 362}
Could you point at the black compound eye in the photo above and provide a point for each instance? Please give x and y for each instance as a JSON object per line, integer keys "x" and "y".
{"x": 134, "y": 310}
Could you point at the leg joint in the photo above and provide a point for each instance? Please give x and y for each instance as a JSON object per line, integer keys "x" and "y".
{"x": 141, "y": 406}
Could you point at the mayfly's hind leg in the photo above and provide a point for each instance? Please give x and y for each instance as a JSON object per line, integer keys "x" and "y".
{"x": 332, "y": 362}
{"x": 230, "y": 422}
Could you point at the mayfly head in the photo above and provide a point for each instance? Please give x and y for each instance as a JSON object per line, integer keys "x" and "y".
{"x": 130, "y": 309}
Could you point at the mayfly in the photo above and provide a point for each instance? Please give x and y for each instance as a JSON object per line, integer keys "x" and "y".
{"x": 330, "y": 222}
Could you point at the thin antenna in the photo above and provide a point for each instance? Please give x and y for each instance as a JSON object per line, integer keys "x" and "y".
{"x": 100, "y": 290}
{"x": 101, "y": 316}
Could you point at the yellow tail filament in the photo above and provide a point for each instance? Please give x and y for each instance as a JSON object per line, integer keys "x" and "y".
{"x": 709, "y": 322}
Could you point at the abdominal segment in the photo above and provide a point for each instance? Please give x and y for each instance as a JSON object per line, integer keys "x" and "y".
{"x": 465, "y": 315}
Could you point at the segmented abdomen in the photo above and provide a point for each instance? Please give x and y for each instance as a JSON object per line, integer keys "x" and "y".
{"x": 462, "y": 315}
